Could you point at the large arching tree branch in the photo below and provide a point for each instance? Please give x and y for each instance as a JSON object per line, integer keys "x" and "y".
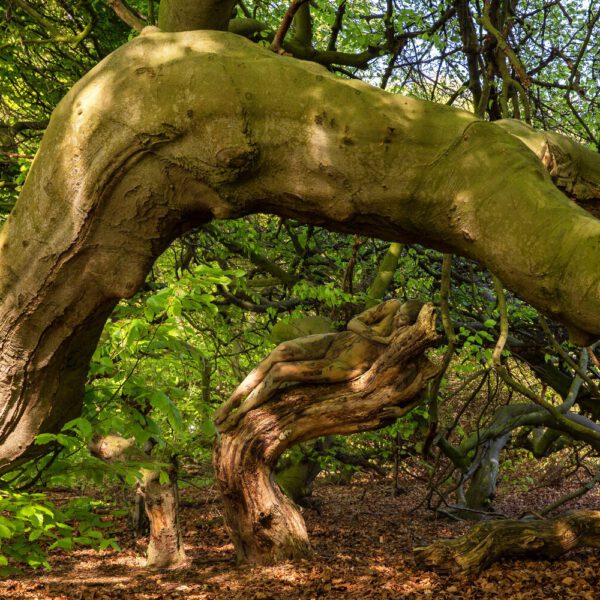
{"x": 173, "y": 130}
{"x": 574, "y": 169}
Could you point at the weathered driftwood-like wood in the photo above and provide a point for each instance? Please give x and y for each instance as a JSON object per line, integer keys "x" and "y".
{"x": 492, "y": 540}
{"x": 165, "y": 547}
{"x": 264, "y": 524}
{"x": 161, "y": 501}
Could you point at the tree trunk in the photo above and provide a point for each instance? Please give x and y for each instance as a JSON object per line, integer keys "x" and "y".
{"x": 490, "y": 541}
{"x": 165, "y": 548}
{"x": 264, "y": 524}
{"x": 297, "y": 477}
{"x": 160, "y": 501}
{"x": 181, "y": 15}
{"x": 138, "y": 518}
{"x": 123, "y": 168}
{"x": 482, "y": 488}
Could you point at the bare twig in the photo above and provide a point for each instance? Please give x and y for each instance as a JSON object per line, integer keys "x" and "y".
{"x": 126, "y": 14}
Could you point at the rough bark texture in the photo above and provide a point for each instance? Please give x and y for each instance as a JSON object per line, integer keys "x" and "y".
{"x": 174, "y": 129}
{"x": 160, "y": 500}
{"x": 490, "y": 541}
{"x": 264, "y": 524}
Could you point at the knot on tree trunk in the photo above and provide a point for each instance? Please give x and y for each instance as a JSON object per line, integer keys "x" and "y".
{"x": 264, "y": 524}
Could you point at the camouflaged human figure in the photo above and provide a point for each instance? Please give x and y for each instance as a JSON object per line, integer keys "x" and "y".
{"x": 320, "y": 358}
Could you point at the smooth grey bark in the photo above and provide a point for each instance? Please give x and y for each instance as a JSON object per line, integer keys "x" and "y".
{"x": 482, "y": 488}
{"x": 174, "y": 129}
{"x": 482, "y": 470}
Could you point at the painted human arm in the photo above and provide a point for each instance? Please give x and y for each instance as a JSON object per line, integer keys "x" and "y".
{"x": 363, "y": 323}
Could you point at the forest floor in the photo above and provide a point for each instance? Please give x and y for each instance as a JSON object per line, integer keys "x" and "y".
{"x": 363, "y": 543}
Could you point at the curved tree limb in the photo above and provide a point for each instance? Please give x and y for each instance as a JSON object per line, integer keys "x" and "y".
{"x": 126, "y": 15}
{"x": 123, "y": 169}
{"x": 265, "y": 525}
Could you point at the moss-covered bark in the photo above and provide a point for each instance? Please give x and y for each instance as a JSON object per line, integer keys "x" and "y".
{"x": 172, "y": 130}
{"x": 573, "y": 168}
{"x": 182, "y": 15}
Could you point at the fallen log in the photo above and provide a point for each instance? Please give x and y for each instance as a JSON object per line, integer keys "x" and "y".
{"x": 490, "y": 541}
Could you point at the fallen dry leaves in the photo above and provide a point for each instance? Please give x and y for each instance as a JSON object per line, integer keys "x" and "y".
{"x": 363, "y": 549}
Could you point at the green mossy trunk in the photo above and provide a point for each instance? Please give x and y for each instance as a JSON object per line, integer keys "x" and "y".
{"x": 482, "y": 487}
{"x": 190, "y": 15}
{"x": 174, "y": 129}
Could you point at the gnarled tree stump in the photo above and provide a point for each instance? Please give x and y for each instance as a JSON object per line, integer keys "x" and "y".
{"x": 492, "y": 540}
{"x": 160, "y": 500}
{"x": 264, "y": 524}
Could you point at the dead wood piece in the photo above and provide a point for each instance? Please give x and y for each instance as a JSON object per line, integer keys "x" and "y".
{"x": 160, "y": 500}
{"x": 493, "y": 540}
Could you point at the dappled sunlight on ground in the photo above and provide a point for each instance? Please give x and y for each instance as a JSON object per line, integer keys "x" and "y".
{"x": 363, "y": 544}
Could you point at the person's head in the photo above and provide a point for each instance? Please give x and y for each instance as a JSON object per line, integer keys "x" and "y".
{"x": 408, "y": 313}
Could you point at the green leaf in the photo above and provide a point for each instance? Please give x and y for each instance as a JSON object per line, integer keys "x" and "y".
{"x": 81, "y": 425}
{"x": 63, "y": 544}
{"x": 160, "y": 400}
{"x": 36, "y": 534}
{"x": 5, "y": 532}
{"x": 45, "y": 438}
{"x": 208, "y": 427}
{"x": 83, "y": 540}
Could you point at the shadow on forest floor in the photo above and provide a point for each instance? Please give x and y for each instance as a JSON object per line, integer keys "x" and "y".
{"x": 363, "y": 549}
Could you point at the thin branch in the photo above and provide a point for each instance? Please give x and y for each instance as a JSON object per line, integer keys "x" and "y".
{"x": 337, "y": 26}
{"x": 565, "y": 356}
{"x": 126, "y": 14}
{"x": 286, "y": 22}
{"x": 584, "y": 489}
{"x": 501, "y": 342}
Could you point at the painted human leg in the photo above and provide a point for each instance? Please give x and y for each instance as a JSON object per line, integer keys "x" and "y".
{"x": 309, "y": 347}
{"x": 313, "y": 371}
